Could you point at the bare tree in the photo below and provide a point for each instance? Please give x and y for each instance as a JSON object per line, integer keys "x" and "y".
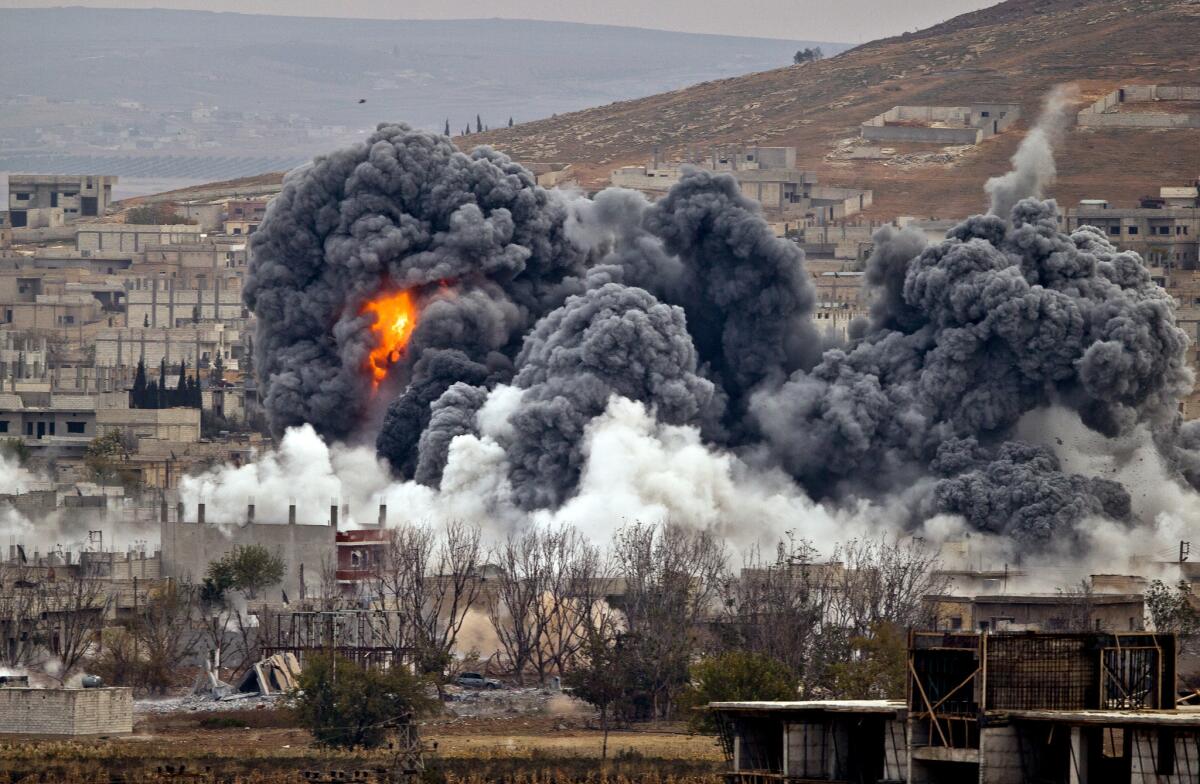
{"x": 811, "y": 613}
{"x": 515, "y": 599}
{"x": 165, "y": 633}
{"x": 775, "y": 607}
{"x": 574, "y": 591}
{"x": 432, "y": 579}
{"x": 75, "y": 610}
{"x": 884, "y": 581}
{"x": 671, "y": 575}
{"x": 20, "y": 614}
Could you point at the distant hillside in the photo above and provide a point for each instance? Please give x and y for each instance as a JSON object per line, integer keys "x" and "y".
{"x": 257, "y": 90}
{"x": 1012, "y": 52}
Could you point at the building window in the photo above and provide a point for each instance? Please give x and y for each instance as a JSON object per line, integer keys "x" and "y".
{"x": 3, "y": 425}
{"x": 21, "y": 196}
{"x": 28, "y": 428}
{"x": 76, "y": 428}
{"x": 1164, "y": 229}
{"x": 1114, "y": 229}
{"x": 1132, "y": 230}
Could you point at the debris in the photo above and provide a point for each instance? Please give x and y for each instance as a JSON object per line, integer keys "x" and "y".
{"x": 275, "y": 674}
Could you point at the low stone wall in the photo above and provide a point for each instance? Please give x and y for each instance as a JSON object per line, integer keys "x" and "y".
{"x": 106, "y": 711}
{"x": 1103, "y": 114}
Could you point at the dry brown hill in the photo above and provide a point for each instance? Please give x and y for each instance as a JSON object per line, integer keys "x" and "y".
{"x": 1013, "y": 52}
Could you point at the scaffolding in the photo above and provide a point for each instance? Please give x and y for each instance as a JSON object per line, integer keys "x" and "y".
{"x": 371, "y": 638}
{"x": 954, "y": 678}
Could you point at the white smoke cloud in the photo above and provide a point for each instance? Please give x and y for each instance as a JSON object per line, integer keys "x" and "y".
{"x": 1033, "y": 163}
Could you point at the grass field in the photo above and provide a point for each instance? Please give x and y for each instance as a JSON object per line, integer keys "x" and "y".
{"x": 253, "y": 747}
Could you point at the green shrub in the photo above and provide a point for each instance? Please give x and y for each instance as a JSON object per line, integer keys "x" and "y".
{"x": 345, "y": 705}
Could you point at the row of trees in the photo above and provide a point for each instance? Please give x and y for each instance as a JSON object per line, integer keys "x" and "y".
{"x": 479, "y": 126}
{"x": 156, "y": 394}
{"x": 636, "y": 617}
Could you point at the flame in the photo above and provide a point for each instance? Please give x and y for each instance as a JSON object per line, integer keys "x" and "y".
{"x": 395, "y": 318}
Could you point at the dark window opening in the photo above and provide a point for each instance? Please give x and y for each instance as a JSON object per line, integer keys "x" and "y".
{"x": 1133, "y": 230}
{"x": 54, "y": 198}
{"x": 76, "y": 427}
{"x": 19, "y": 219}
{"x": 3, "y": 425}
{"x": 88, "y": 205}
{"x": 1166, "y": 753}
{"x": 1114, "y": 229}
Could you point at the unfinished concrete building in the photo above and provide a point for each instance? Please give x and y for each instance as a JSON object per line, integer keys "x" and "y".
{"x": 77, "y": 195}
{"x": 1144, "y": 106}
{"x": 833, "y": 741}
{"x": 992, "y": 708}
{"x": 969, "y": 124}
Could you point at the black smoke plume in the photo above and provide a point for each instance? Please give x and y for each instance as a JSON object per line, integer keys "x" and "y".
{"x": 693, "y": 307}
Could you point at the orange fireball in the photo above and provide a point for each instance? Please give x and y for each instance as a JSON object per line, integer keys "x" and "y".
{"x": 395, "y": 318}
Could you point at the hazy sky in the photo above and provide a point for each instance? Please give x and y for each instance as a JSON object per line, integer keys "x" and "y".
{"x": 850, "y": 21}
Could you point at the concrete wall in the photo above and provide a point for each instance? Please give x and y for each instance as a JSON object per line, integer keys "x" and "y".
{"x": 975, "y": 123}
{"x": 122, "y": 347}
{"x": 188, "y": 549}
{"x": 808, "y": 753}
{"x": 168, "y": 305}
{"x": 1103, "y": 113}
{"x": 107, "y": 711}
{"x": 904, "y": 133}
{"x": 895, "y": 749}
{"x": 1144, "y": 757}
{"x": 999, "y": 756}
{"x": 125, "y": 237}
{"x": 167, "y": 424}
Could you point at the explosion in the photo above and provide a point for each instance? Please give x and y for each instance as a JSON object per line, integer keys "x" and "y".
{"x": 395, "y": 318}
{"x": 551, "y": 318}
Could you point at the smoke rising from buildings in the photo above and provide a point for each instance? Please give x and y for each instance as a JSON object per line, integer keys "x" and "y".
{"x": 1033, "y": 163}
{"x": 595, "y": 361}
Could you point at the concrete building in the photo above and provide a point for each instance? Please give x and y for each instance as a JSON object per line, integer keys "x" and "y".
{"x": 156, "y": 302}
{"x": 1045, "y": 612}
{"x": 1164, "y": 236}
{"x": 1144, "y": 106}
{"x": 992, "y": 708}
{"x": 43, "y": 419}
{"x": 180, "y": 425}
{"x": 243, "y": 216}
{"x": 131, "y": 237}
{"x": 861, "y": 741}
{"x": 189, "y": 547}
{"x": 764, "y": 174}
{"x": 71, "y": 712}
{"x": 198, "y": 345}
{"x": 46, "y": 419}
{"x": 6, "y": 231}
{"x": 77, "y": 195}
{"x": 969, "y": 124}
